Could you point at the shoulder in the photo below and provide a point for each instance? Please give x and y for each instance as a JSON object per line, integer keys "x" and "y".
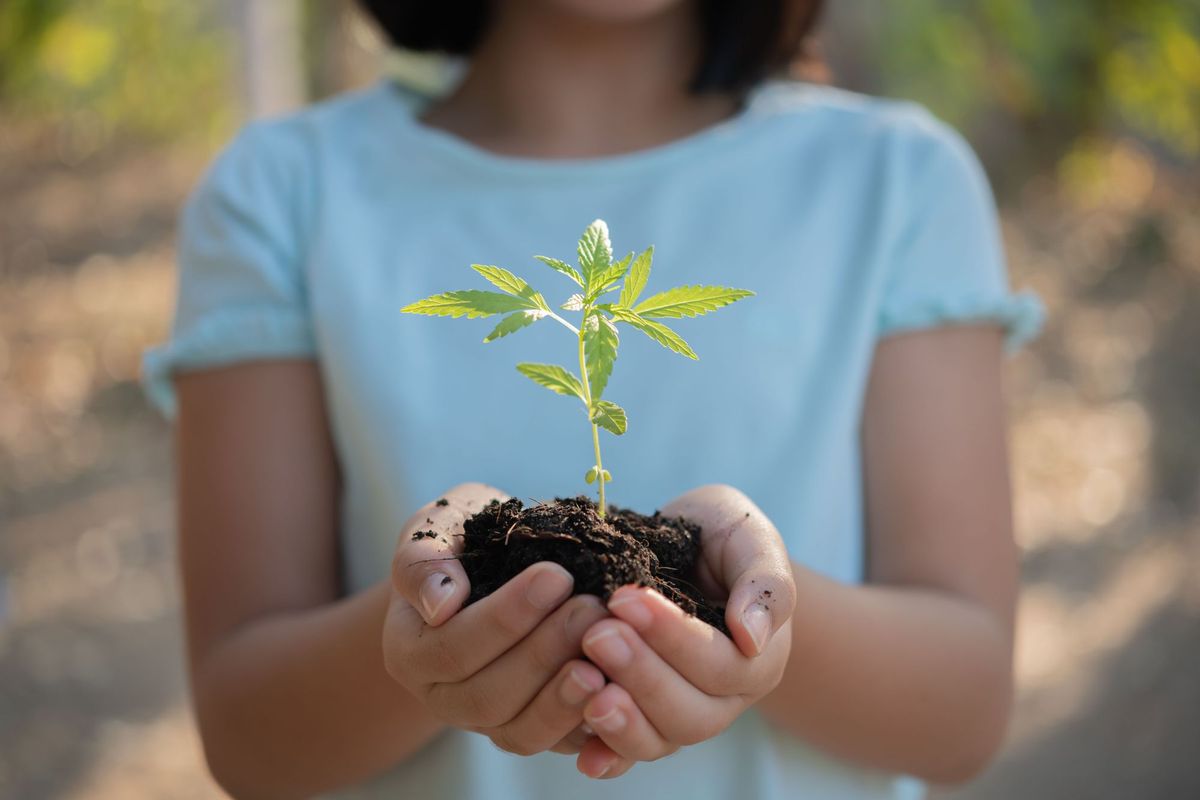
{"x": 901, "y": 133}
{"x": 297, "y": 142}
{"x": 280, "y": 162}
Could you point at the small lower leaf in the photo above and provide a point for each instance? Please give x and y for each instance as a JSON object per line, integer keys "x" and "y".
{"x": 609, "y": 416}
{"x": 607, "y": 475}
{"x": 590, "y": 477}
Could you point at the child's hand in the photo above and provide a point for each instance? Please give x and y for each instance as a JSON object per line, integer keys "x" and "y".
{"x": 675, "y": 680}
{"x": 507, "y": 666}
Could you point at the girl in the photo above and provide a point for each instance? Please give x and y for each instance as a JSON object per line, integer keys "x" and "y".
{"x": 855, "y": 404}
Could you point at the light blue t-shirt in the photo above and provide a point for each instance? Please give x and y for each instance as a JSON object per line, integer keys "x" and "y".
{"x": 852, "y": 219}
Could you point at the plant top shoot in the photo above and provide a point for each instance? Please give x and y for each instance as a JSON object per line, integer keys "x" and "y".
{"x": 596, "y": 275}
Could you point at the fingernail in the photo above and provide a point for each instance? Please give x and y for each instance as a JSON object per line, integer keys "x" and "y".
{"x": 757, "y": 621}
{"x": 549, "y": 587}
{"x": 589, "y": 611}
{"x": 609, "y": 647}
{"x": 611, "y": 722}
{"x": 436, "y": 590}
{"x": 577, "y": 688}
{"x": 587, "y": 730}
{"x": 630, "y": 608}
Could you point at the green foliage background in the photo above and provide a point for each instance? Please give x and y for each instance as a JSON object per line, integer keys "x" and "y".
{"x": 146, "y": 68}
{"x": 1059, "y": 71}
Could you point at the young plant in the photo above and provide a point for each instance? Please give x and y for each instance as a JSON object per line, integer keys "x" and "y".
{"x": 596, "y": 276}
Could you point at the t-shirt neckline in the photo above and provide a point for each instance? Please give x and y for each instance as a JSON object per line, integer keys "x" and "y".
{"x": 409, "y": 102}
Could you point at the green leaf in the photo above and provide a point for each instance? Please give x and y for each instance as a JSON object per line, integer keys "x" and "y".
{"x": 639, "y": 273}
{"x": 507, "y": 282}
{"x": 609, "y": 416}
{"x": 470, "y": 304}
{"x": 590, "y": 476}
{"x": 608, "y": 279}
{"x": 600, "y": 340}
{"x": 607, "y": 475}
{"x": 595, "y": 251}
{"x": 502, "y": 279}
{"x": 689, "y": 301}
{"x": 554, "y": 378}
{"x": 656, "y": 331}
{"x": 574, "y": 303}
{"x": 513, "y": 323}
{"x": 563, "y": 267}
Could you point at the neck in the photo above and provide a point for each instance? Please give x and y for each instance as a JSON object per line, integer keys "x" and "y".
{"x": 551, "y": 85}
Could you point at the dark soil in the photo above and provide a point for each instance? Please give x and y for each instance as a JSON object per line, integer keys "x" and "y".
{"x": 603, "y": 554}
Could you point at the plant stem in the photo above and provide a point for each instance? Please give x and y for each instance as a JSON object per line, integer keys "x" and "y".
{"x": 562, "y": 321}
{"x": 587, "y": 394}
{"x": 599, "y": 466}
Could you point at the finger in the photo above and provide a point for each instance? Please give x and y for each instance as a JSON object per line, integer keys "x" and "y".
{"x": 478, "y": 634}
{"x": 597, "y": 760}
{"x": 704, "y": 656}
{"x": 573, "y": 742}
{"x": 747, "y": 557}
{"x": 554, "y": 714}
{"x": 498, "y": 693}
{"x": 677, "y": 709}
{"x": 621, "y": 725}
{"x": 425, "y": 569}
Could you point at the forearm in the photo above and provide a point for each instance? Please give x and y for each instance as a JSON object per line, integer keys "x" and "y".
{"x": 903, "y": 679}
{"x": 298, "y": 703}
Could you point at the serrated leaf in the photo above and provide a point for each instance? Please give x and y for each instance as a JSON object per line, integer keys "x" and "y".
{"x": 635, "y": 281}
{"x": 600, "y": 340}
{"x": 513, "y": 323}
{"x": 609, "y": 416}
{"x": 595, "y": 251}
{"x": 469, "y": 303}
{"x": 505, "y": 281}
{"x": 591, "y": 475}
{"x": 656, "y": 331}
{"x": 607, "y": 280}
{"x": 574, "y": 303}
{"x": 689, "y": 301}
{"x": 554, "y": 378}
{"x": 563, "y": 267}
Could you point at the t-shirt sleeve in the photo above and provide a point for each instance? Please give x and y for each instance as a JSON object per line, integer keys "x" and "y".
{"x": 947, "y": 265}
{"x": 241, "y": 293}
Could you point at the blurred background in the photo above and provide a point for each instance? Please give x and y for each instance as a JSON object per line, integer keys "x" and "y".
{"x": 1087, "y": 115}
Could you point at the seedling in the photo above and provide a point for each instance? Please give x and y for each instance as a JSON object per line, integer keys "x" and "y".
{"x": 597, "y": 275}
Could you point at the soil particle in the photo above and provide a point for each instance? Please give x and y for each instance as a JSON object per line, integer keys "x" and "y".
{"x": 624, "y": 548}
{"x": 442, "y": 502}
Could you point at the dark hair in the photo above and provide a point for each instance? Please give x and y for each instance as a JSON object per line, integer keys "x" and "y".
{"x": 743, "y": 42}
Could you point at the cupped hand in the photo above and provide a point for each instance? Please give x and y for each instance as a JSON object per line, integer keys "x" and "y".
{"x": 507, "y": 666}
{"x": 675, "y": 680}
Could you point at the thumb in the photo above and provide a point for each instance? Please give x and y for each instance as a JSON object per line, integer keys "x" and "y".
{"x": 744, "y": 552}
{"x": 760, "y": 603}
{"x": 426, "y": 571}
